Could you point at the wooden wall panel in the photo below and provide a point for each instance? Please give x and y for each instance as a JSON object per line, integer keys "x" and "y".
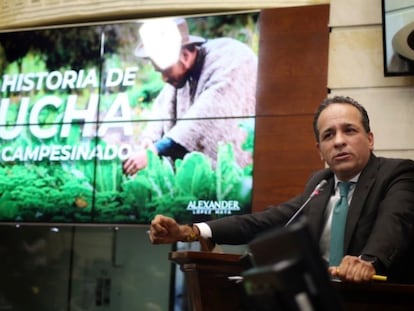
{"x": 285, "y": 155}
{"x": 293, "y": 59}
{"x": 293, "y": 55}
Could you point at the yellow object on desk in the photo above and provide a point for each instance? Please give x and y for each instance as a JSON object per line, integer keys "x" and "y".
{"x": 377, "y": 277}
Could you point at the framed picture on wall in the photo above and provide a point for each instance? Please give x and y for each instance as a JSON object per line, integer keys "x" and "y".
{"x": 398, "y": 37}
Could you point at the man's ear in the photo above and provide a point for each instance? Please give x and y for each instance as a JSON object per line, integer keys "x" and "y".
{"x": 318, "y": 147}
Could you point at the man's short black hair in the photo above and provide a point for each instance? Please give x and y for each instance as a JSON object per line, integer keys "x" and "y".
{"x": 341, "y": 100}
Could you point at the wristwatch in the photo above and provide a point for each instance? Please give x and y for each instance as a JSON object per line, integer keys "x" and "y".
{"x": 371, "y": 259}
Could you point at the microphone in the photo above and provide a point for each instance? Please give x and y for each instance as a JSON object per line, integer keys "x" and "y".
{"x": 315, "y": 192}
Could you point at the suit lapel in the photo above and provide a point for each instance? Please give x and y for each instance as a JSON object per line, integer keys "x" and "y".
{"x": 362, "y": 189}
{"x": 317, "y": 207}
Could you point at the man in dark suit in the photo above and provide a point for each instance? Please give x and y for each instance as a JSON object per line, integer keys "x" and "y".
{"x": 379, "y": 221}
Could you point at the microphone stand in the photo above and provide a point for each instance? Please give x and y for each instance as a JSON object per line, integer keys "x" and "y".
{"x": 315, "y": 192}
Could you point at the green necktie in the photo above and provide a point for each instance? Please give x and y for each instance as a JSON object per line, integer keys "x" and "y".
{"x": 336, "y": 249}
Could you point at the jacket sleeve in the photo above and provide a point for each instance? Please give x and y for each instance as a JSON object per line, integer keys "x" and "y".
{"x": 393, "y": 231}
{"x": 241, "y": 229}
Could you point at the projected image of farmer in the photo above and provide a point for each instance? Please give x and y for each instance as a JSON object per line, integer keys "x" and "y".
{"x": 209, "y": 85}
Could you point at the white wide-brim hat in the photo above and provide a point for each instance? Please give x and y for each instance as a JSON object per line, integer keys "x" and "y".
{"x": 403, "y": 41}
{"x": 162, "y": 40}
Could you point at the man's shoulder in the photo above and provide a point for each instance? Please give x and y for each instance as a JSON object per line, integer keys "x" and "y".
{"x": 388, "y": 166}
{"x": 393, "y": 162}
{"x": 227, "y": 46}
{"x": 223, "y": 41}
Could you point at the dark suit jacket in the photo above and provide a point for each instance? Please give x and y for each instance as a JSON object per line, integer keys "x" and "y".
{"x": 380, "y": 220}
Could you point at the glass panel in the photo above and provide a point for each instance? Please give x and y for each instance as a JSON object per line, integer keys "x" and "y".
{"x": 82, "y": 268}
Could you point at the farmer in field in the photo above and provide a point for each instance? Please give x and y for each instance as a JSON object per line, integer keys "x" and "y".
{"x": 208, "y": 83}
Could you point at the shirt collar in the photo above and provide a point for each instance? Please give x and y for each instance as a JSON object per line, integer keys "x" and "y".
{"x": 353, "y": 180}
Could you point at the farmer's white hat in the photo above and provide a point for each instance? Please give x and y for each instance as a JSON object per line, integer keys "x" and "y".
{"x": 162, "y": 40}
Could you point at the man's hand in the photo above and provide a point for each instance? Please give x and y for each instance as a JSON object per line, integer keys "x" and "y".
{"x": 138, "y": 161}
{"x": 165, "y": 230}
{"x": 353, "y": 269}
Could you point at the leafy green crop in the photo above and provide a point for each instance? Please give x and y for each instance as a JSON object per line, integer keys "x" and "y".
{"x": 43, "y": 193}
{"x": 66, "y": 192}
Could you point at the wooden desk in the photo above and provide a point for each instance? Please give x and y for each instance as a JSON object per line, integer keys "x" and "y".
{"x": 206, "y": 276}
{"x": 376, "y": 296}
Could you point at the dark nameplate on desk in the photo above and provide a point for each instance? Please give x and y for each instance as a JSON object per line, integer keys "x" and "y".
{"x": 288, "y": 273}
